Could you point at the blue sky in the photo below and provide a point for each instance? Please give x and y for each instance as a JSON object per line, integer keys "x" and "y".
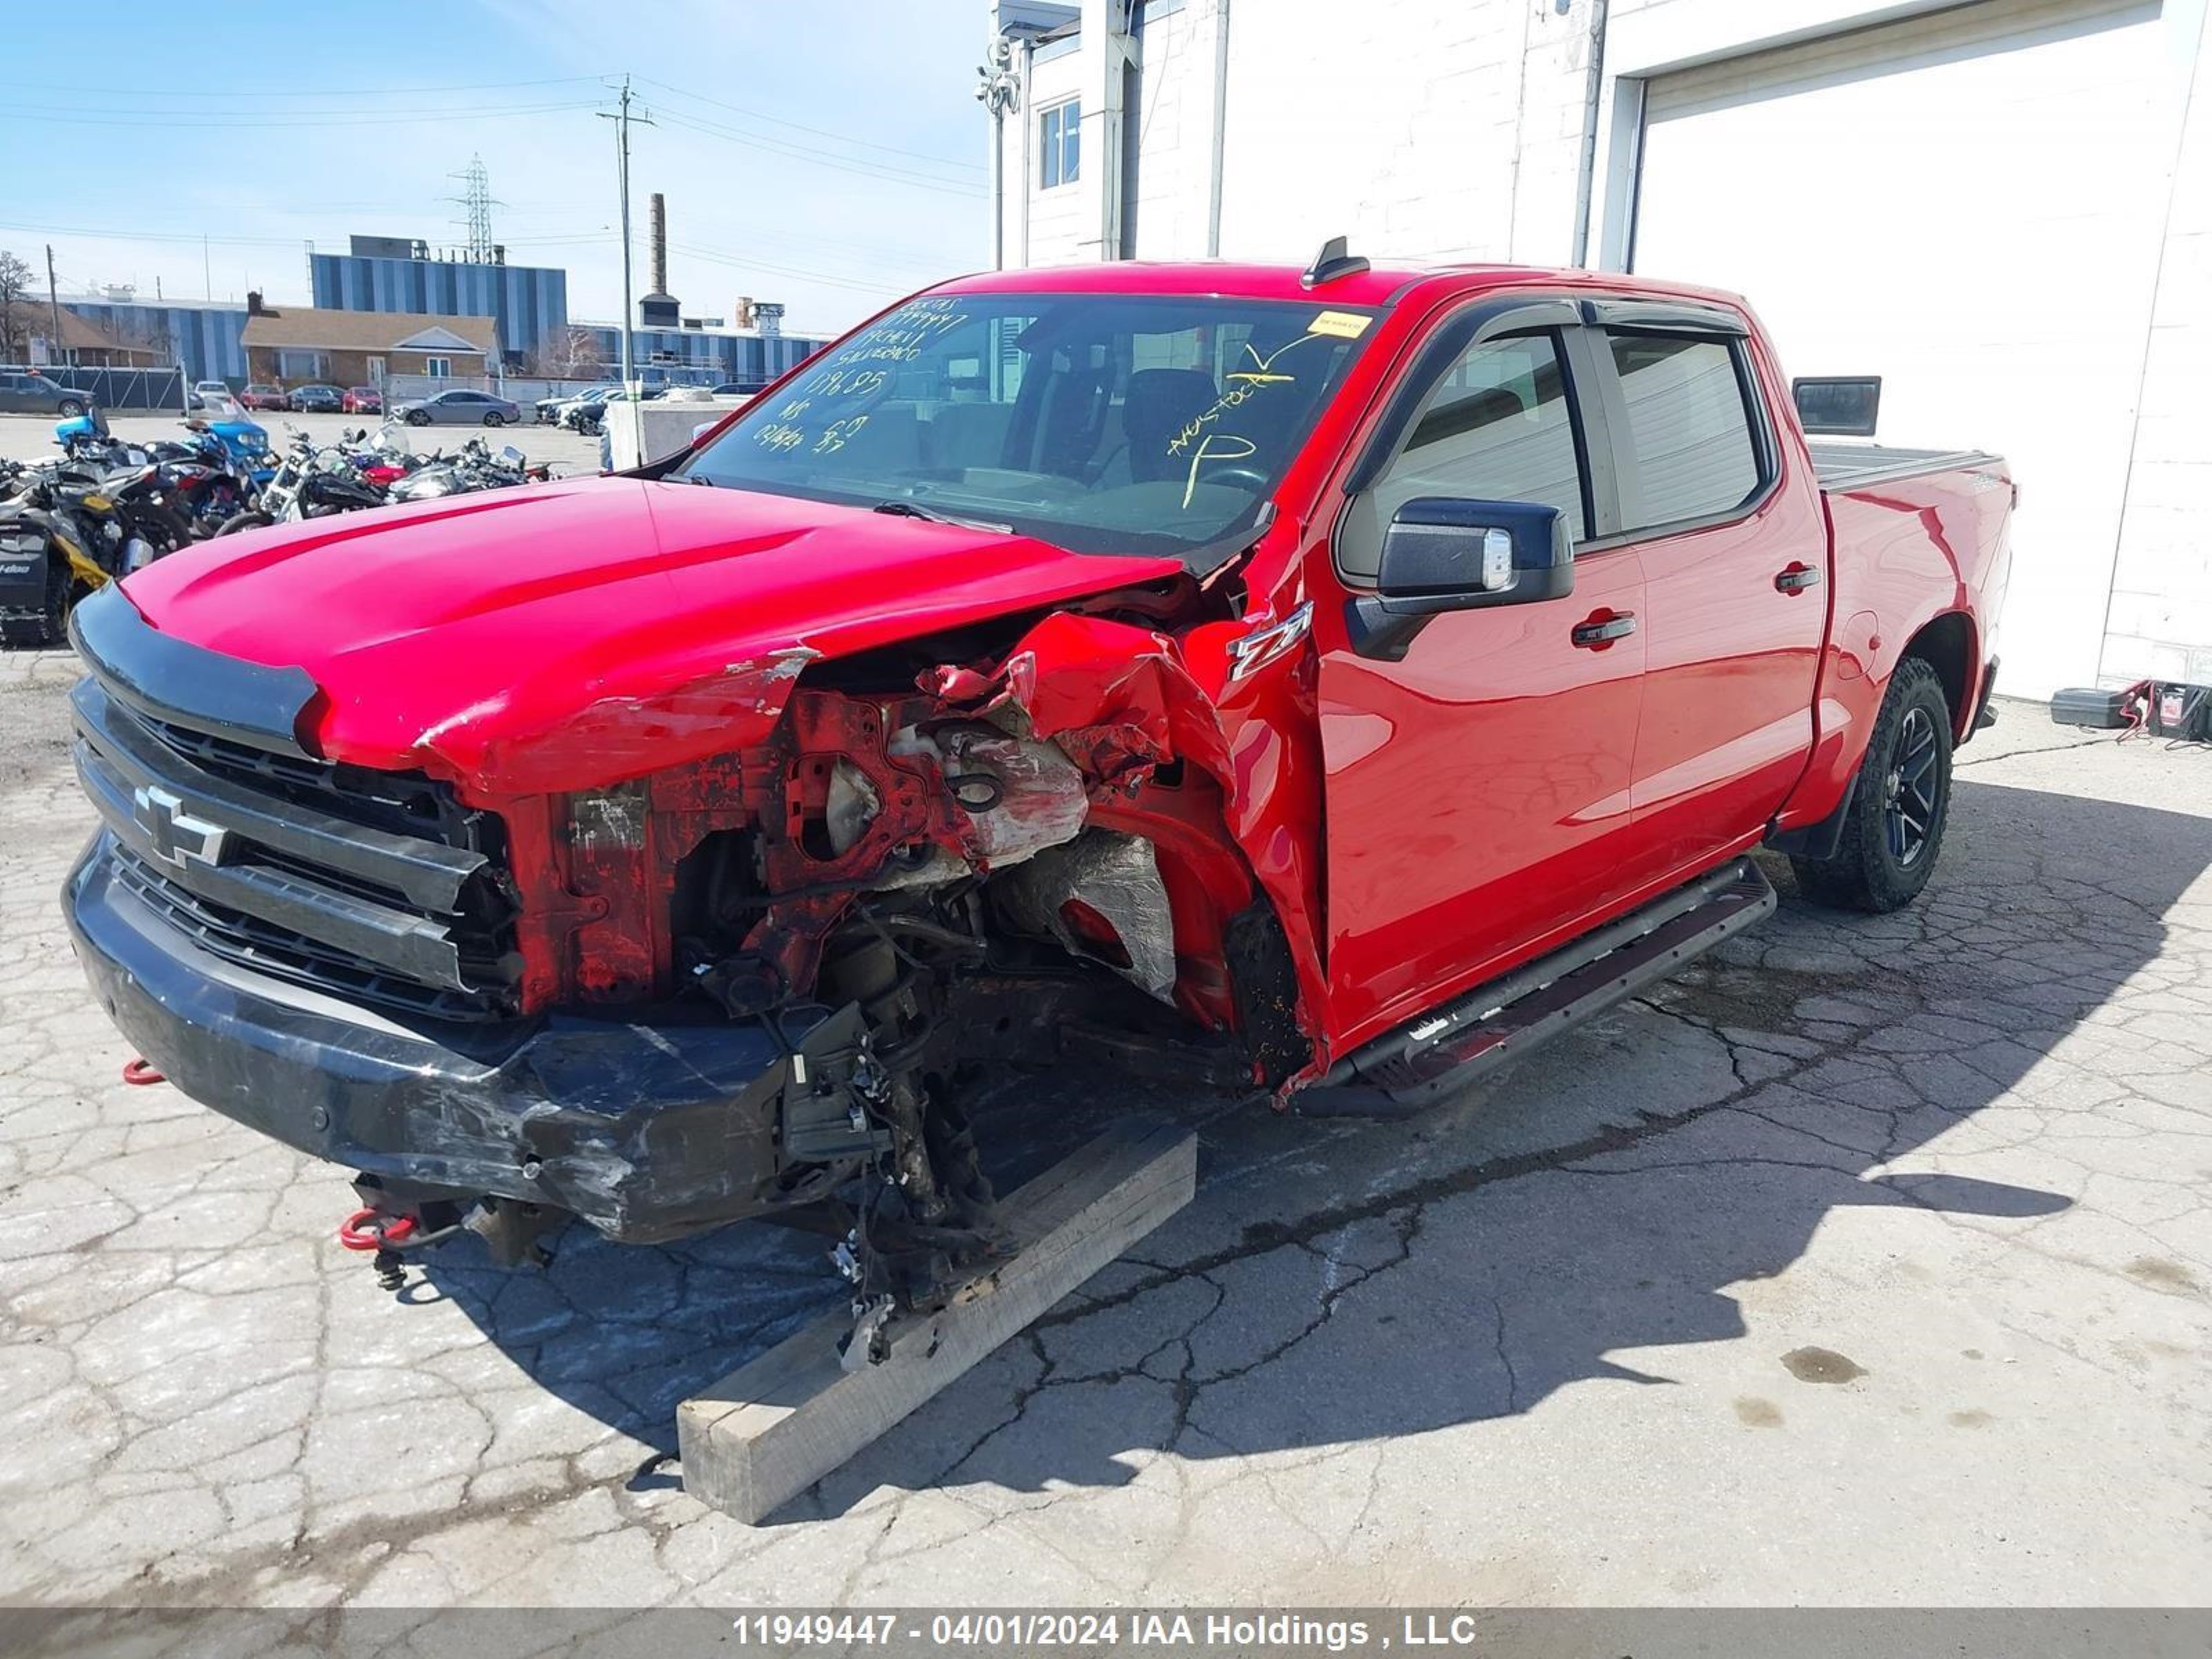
{"x": 830, "y": 156}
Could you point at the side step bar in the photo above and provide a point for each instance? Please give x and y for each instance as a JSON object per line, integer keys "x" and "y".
{"x": 1449, "y": 1046}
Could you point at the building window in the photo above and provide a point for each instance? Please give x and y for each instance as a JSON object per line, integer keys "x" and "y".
{"x": 438, "y": 368}
{"x": 1059, "y": 144}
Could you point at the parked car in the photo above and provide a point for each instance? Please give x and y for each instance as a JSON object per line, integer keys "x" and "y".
{"x": 457, "y": 407}
{"x": 317, "y": 400}
{"x": 209, "y": 394}
{"x": 263, "y": 396}
{"x": 739, "y": 388}
{"x": 26, "y": 391}
{"x": 363, "y": 400}
{"x": 1399, "y": 678}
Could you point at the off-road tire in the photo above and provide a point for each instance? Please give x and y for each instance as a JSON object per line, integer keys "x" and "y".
{"x": 1869, "y": 871}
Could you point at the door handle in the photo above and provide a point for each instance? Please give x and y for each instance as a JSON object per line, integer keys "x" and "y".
{"x": 1601, "y": 632}
{"x": 1797, "y": 579}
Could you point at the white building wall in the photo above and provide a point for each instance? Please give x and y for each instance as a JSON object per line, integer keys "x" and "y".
{"x": 2159, "y": 622}
{"x": 1059, "y": 232}
{"x": 1437, "y": 131}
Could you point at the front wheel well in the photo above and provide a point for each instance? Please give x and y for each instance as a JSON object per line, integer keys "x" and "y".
{"x": 1946, "y": 645}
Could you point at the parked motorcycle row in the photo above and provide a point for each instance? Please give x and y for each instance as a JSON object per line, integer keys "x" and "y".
{"x": 105, "y": 507}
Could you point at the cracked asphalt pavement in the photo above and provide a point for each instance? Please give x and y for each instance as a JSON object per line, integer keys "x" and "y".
{"x": 1867, "y": 1263}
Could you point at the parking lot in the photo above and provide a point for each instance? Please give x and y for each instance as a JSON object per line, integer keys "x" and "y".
{"x": 1867, "y": 1263}
{"x": 31, "y": 437}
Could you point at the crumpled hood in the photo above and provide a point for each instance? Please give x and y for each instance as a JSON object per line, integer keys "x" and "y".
{"x": 573, "y": 634}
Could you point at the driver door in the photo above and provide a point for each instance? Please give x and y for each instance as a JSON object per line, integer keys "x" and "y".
{"x": 1477, "y": 782}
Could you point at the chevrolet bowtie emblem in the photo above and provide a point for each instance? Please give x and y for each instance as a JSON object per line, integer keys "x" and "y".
{"x": 176, "y": 835}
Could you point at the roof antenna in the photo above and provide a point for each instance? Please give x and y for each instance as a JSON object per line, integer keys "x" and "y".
{"x": 1334, "y": 260}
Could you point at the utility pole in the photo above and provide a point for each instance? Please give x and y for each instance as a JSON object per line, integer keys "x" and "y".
{"x": 998, "y": 89}
{"x": 621, "y": 117}
{"x": 53, "y": 306}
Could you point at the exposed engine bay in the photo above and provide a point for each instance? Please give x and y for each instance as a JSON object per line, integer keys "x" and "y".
{"x": 928, "y": 868}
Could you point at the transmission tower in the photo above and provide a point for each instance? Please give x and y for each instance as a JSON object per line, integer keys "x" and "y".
{"x": 476, "y": 197}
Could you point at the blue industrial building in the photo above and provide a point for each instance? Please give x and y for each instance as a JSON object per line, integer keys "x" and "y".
{"x": 388, "y": 273}
{"x": 702, "y": 355}
{"x": 201, "y": 335}
{"x": 392, "y": 274}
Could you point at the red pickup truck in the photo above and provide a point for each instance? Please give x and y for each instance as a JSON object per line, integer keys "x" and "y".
{"x": 1332, "y": 681}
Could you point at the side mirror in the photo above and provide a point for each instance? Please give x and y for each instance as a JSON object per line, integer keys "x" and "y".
{"x": 1845, "y": 406}
{"x": 1442, "y": 554}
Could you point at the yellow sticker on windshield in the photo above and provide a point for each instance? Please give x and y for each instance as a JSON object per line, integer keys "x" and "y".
{"x": 1344, "y": 325}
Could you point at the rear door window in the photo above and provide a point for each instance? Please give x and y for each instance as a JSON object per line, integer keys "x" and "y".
{"x": 1691, "y": 451}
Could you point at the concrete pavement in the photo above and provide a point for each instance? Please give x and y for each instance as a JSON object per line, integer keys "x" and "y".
{"x": 1867, "y": 1264}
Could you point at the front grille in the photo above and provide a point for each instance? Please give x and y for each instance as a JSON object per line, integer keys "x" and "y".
{"x": 236, "y": 935}
{"x": 383, "y": 889}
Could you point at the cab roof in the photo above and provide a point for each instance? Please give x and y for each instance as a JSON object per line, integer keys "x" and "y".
{"x": 1381, "y": 285}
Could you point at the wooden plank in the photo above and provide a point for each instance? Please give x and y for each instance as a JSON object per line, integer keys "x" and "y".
{"x": 776, "y": 1426}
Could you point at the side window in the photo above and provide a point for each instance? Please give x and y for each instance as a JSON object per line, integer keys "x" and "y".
{"x": 1060, "y": 139}
{"x": 1498, "y": 426}
{"x": 1689, "y": 449}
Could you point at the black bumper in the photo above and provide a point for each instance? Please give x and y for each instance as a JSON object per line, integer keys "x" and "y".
{"x": 647, "y": 1131}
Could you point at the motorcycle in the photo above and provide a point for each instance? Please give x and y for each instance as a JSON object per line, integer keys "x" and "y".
{"x": 54, "y": 537}
{"x": 475, "y": 467}
{"x": 307, "y": 482}
{"x": 166, "y": 493}
{"x": 240, "y": 444}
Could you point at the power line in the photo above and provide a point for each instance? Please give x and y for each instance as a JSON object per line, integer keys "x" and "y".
{"x": 822, "y": 159}
{"x": 819, "y": 132}
{"x": 577, "y": 239}
{"x": 728, "y": 256}
{"x": 202, "y": 120}
{"x": 349, "y": 91}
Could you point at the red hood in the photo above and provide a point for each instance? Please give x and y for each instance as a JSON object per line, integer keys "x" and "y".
{"x": 575, "y": 633}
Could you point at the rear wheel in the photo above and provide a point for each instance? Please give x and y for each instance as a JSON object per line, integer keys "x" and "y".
{"x": 251, "y": 520}
{"x": 493, "y": 417}
{"x": 1894, "y": 831}
{"x": 69, "y": 409}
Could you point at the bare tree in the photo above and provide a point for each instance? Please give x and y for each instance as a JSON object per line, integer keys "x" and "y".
{"x": 15, "y": 306}
{"x": 572, "y": 353}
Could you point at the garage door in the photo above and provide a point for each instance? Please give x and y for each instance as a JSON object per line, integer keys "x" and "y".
{"x": 1969, "y": 206}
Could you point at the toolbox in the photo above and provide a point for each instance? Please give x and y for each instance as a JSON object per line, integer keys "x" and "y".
{"x": 2085, "y": 705}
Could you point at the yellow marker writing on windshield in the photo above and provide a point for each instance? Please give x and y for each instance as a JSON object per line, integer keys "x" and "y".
{"x": 1216, "y": 446}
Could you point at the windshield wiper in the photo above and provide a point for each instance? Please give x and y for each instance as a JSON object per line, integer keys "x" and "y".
{"x": 906, "y": 509}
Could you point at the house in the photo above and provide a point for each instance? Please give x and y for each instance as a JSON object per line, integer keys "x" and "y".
{"x": 295, "y": 345}
{"x": 2002, "y": 209}
{"x": 85, "y": 345}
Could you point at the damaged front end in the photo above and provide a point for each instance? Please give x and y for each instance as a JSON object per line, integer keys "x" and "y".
{"x": 749, "y": 984}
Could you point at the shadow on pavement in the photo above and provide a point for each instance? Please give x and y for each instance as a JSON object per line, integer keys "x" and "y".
{"x": 1339, "y": 1281}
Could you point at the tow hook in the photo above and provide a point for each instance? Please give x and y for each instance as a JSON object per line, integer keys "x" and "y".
{"x": 373, "y": 1230}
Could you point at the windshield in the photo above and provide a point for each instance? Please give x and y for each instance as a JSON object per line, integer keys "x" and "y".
{"x": 1099, "y": 423}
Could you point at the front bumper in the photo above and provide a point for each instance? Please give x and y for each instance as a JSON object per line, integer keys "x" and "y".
{"x": 646, "y": 1131}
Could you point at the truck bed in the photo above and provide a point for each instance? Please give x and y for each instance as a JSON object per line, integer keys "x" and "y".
{"x": 1855, "y": 466}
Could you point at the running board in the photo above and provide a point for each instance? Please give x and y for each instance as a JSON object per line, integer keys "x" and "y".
{"x": 1449, "y": 1046}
